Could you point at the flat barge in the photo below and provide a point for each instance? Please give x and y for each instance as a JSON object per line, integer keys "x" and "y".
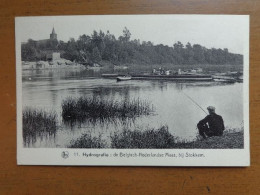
{"x": 186, "y": 77}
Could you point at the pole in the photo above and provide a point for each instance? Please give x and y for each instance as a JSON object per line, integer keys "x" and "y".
{"x": 195, "y": 102}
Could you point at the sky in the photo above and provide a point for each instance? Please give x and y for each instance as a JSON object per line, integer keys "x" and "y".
{"x": 211, "y": 31}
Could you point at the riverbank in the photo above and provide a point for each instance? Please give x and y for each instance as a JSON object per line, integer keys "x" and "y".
{"x": 229, "y": 140}
{"x": 159, "y": 139}
{"x": 49, "y": 65}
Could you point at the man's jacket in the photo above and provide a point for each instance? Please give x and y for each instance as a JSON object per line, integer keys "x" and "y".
{"x": 215, "y": 123}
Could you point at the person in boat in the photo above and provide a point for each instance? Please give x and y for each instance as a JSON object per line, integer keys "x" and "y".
{"x": 211, "y": 125}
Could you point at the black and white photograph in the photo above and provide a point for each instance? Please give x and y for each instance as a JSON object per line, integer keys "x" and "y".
{"x": 140, "y": 90}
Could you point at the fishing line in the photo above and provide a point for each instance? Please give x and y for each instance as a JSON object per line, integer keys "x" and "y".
{"x": 194, "y": 102}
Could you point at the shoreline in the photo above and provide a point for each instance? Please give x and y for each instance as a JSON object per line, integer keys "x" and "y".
{"x": 160, "y": 139}
{"x": 229, "y": 140}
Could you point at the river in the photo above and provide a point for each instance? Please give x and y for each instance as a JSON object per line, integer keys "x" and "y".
{"x": 46, "y": 89}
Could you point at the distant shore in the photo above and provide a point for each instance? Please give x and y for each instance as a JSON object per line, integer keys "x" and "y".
{"x": 46, "y": 65}
{"x": 131, "y": 67}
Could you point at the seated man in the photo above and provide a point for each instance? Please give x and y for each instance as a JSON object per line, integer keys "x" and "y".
{"x": 211, "y": 125}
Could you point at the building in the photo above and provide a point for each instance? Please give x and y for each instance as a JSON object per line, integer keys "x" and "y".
{"x": 53, "y": 35}
{"x": 53, "y": 38}
{"x": 53, "y": 56}
{"x": 46, "y": 49}
{"x": 196, "y": 70}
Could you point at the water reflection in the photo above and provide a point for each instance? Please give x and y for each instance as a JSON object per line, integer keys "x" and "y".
{"x": 74, "y": 124}
{"x": 47, "y": 90}
{"x": 29, "y": 139}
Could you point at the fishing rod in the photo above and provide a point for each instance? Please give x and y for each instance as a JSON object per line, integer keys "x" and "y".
{"x": 195, "y": 102}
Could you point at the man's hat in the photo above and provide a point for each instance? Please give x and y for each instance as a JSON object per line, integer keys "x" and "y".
{"x": 212, "y": 108}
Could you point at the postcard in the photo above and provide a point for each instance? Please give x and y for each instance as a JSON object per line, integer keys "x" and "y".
{"x": 133, "y": 90}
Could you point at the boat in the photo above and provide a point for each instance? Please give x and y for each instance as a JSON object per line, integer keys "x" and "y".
{"x": 224, "y": 79}
{"x": 110, "y": 75}
{"x": 123, "y": 78}
{"x": 182, "y": 77}
{"x": 240, "y": 79}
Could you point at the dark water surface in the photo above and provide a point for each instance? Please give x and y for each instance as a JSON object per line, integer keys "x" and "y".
{"x": 47, "y": 89}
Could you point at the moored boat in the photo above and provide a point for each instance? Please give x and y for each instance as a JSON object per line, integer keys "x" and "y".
{"x": 182, "y": 77}
{"x": 225, "y": 79}
{"x": 110, "y": 75}
{"x": 240, "y": 79}
{"x": 123, "y": 78}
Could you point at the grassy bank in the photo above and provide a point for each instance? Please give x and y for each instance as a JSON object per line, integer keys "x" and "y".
{"x": 160, "y": 138}
{"x": 229, "y": 140}
{"x": 87, "y": 141}
{"x": 38, "y": 122}
{"x": 151, "y": 138}
{"x": 85, "y": 108}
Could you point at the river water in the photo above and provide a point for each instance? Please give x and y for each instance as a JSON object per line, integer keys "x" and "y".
{"x": 47, "y": 89}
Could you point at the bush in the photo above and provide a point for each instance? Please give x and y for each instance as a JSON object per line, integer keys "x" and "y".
{"x": 159, "y": 138}
{"x": 87, "y": 141}
{"x": 94, "y": 108}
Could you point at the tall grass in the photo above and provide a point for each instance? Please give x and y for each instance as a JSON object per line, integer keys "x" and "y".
{"x": 150, "y": 138}
{"x": 38, "y": 123}
{"x": 99, "y": 109}
{"x": 158, "y": 138}
{"x": 88, "y": 141}
{"x": 162, "y": 138}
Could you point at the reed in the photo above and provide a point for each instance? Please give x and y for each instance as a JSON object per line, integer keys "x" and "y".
{"x": 158, "y": 139}
{"x": 161, "y": 138}
{"x": 88, "y": 141}
{"x": 150, "y": 138}
{"x": 38, "y": 122}
{"x": 99, "y": 109}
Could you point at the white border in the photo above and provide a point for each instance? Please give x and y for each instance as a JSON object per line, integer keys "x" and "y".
{"x": 212, "y": 157}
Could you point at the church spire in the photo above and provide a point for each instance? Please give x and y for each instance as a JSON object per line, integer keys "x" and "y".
{"x": 53, "y": 31}
{"x": 53, "y": 35}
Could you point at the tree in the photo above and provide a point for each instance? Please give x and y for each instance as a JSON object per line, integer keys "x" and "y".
{"x": 29, "y": 53}
{"x": 104, "y": 46}
{"x": 126, "y": 35}
{"x": 95, "y": 56}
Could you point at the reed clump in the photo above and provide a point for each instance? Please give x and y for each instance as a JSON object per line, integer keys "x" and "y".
{"x": 150, "y": 138}
{"x": 99, "y": 109}
{"x": 161, "y": 138}
{"x": 88, "y": 141}
{"x": 38, "y": 122}
{"x": 158, "y": 139}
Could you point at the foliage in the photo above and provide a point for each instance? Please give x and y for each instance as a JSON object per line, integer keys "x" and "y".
{"x": 102, "y": 46}
{"x": 229, "y": 140}
{"x": 85, "y": 108}
{"x": 38, "y": 123}
{"x": 150, "y": 138}
{"x": 87, "y": 141}
{"x": 161, "y": 138}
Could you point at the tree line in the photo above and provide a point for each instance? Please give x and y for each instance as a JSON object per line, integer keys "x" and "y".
{"x": 102, "y": 46}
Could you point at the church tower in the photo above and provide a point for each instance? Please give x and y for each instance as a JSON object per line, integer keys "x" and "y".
{"x": 53, "y": 35}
